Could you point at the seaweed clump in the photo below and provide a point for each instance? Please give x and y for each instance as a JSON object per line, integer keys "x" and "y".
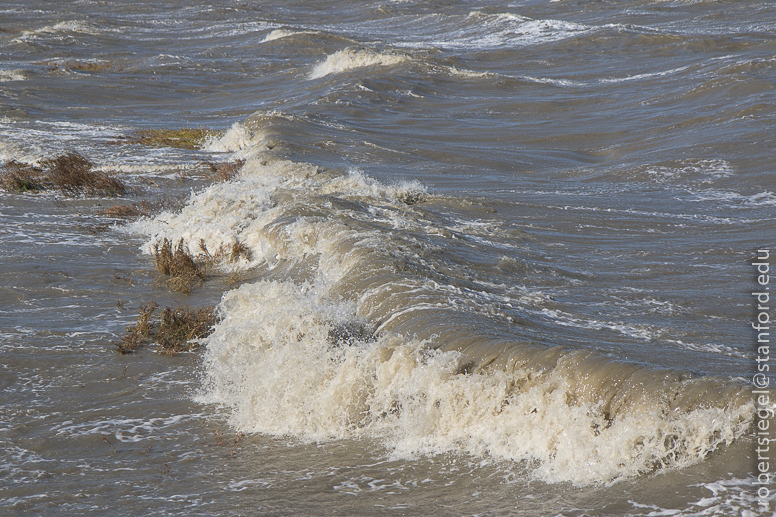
{"x": 175, "y": 331}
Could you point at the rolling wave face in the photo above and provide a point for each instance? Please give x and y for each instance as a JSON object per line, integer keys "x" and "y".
{"x": 361, "y": 323}
{"x": 288, "y": 360}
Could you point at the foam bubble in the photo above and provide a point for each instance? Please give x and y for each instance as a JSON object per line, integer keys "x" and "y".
{"x": 217, "y": 217}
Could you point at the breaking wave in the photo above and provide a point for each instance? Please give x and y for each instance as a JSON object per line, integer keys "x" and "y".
{"x": 358, "y": 325}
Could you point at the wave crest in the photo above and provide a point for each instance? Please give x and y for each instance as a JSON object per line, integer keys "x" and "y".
{"x": 350, "y": 59}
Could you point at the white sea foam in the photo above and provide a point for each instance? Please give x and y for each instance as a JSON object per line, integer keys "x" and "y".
{"x": 284, "y": 33}
{"x": 280, "y": 368}
{"x": 639, "y": 77}
{"x": 479, "y": 30}
{"x": 735, "y": 199}
{"x": 70, "y": 26}
{"x": 322, "y": 358}
{"x": 31, "y": 154}
{"x": 124, "y": 429}
{"x": 351, "y": 59}
{"x": 695, "y": 171}
{"x": 469, "y": 74}
{"x": 714, "y": 348}
{"x": 643, "y": 332}
{"x": 12, "y": 75}
{"x": 219, "y": 217}
{"x": 238, "y": 138}
{"x": 227, "y": 213}
{"x": 726, "y": 497}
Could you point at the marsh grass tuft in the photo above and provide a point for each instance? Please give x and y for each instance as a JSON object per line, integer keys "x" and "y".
{"x": 228, "y": 254}
{"x": 239, "y": 250}
{"x": 21, "y": 177}
{"x": 187, "y": 270}
{"x": 174, "y": 331}
{"x": 126, "y": 211}
{"x": 225, "y": 171}
{"x": 121, "y": 211}
{"x": 178, "y": 263}
{"x": 139, "y": 333}
{"x": 71, "y": 173}
{"x": 179, "y": 327}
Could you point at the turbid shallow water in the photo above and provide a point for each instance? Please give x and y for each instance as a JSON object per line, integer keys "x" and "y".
{"x": 499, "y": 258}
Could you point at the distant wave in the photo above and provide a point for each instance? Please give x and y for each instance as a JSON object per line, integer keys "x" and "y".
{"x": 70, "y": 26}
{"x": 350, "y": 59}
{"x": 476, "y": 31}
{"x": 284, "y": 33}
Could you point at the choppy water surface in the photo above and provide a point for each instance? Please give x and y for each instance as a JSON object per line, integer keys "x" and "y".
{"x": 499, "y": 257}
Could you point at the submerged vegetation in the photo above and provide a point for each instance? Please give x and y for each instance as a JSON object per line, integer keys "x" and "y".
{"x": 81, "y": 66}
{"x": 185, "y": 138}
{"x": 225, "y": 171}
{"x": 70, "y": 173}
{"x": 74, "y": 175}
{"x": 174, "y": 331}
{"x": 140, "y": 209}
